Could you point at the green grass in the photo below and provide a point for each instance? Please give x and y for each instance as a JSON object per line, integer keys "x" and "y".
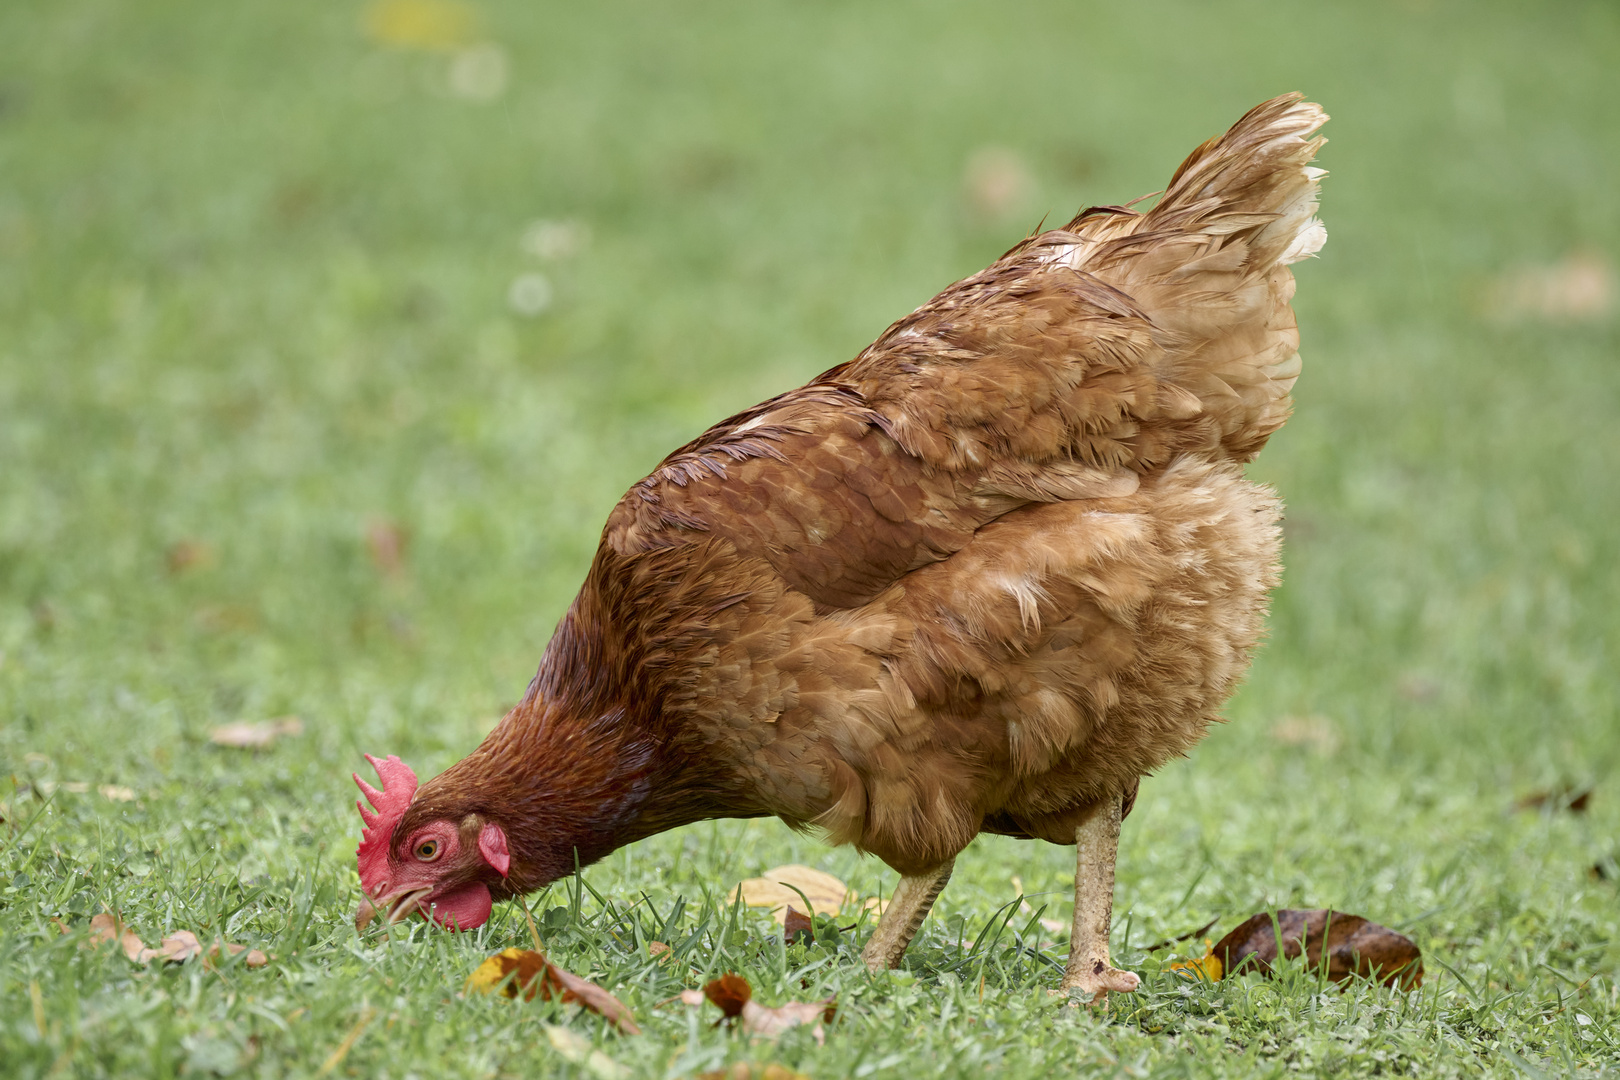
{"x": 253, "y": 295}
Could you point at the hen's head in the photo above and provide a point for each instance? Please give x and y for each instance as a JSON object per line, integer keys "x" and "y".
{"x": 440, "y": 865}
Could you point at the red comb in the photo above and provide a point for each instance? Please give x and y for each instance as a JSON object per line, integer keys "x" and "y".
{"x": 398, "y": 787}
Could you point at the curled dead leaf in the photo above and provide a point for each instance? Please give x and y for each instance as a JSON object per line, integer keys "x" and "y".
{"x": 186, "y": 555}
{"x": 177, "y": 948}
{"x": 748, "y": 1070}
{"x": 658, "y": 951}
{"x": 1580, "y": 287}
{"x": 250, "y": 736}
{"x": 782, "y": 885}
{"x": 578, "y": 1049}
{"x": 514, "y": 971}
{"x": 69, "y": 787}
{"x": 1344, "y": 945}
{"x": 1563, "y": 798}
{"x": 387, "y": 541}
{"x": 1313, "y": 732}
{"x": 997, "y": 181}
{"x": 107, "y": 927}
{"x": 797, "y": 926}
{"x": 253, "y": 959}
{"x": 730, "y": 993}
{"x": 770, "y": 1022}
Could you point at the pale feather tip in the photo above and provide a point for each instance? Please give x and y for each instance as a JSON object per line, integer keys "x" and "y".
{"x": 1307, "y": 243}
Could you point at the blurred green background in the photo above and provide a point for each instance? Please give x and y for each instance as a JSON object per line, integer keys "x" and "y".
{"x": 329, "y": 334}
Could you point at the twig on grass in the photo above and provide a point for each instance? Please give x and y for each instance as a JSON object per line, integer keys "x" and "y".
{"x": 343, "y": 1048}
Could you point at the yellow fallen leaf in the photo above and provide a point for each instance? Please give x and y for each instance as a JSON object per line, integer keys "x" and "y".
{"x": 246, "y": 736}
{"x": 1206, "y": 968}
{"x": 825, "y": 894}
{"x": 535, "y": 976}
{"x": 421, "y": 24}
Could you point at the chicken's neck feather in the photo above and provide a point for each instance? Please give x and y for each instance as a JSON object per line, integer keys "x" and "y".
{"x": 567, "y": 789}
{"x": 582, "y": 766}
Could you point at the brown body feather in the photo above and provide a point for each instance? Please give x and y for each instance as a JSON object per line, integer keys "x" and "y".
{"x": 981, "y": 578}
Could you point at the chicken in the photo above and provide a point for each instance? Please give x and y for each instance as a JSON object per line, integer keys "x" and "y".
{"x": 981, "y": 578}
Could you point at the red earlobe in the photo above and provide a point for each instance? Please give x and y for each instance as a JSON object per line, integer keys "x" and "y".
{"x": 492, "y": 846}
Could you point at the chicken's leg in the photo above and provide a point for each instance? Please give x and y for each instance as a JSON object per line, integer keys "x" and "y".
{"x": 907, "y": 909}
{"x": 1089, "y": 969}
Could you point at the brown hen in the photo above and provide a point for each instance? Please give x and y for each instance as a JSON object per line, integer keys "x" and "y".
{"x": 981, "y": 578}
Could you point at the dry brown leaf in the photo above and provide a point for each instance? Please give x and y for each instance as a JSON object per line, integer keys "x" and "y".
{"x": 796, "y": 925}
{"x": 1310, "y": 732}
{"x": 51, "y": 787}
{"x": 578, "y": 1049}
{"x": 106, "y": 927}
{"x": 386, "y": 542}
{"x": 1580, "y": 287}
{"x": 186, "y": 555}
{"x": 775, "y": 890}
{"x": 533, "y": 975}
{"x": 998, "y": 182}
{"x": 1353, "y": 946}
{"x": 254, "y": 958}
{"x": 729, "y": 992}
{"x": 769, "y": 1022}
{"x": 177, "y": 948}
{"x": 747, "y": 1070}
{"x": 733, "y": 995}
{"x": 246, "y": 736}
{"x": 1564, "y": 798}
{"x": 658, "y": 951}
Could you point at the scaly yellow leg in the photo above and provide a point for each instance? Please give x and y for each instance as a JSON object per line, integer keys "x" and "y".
{"x": 1089, "y": 968}
{"x": 907, "y": 909}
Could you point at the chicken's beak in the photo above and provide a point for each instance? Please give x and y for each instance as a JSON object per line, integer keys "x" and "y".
{"x": 393, "y": 907}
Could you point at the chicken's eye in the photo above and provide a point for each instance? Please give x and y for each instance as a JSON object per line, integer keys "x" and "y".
{"x": 427, "y": 850}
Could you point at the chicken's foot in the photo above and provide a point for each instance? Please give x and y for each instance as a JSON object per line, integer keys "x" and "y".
{"x": 907, "y": 909}
{"x": 1089, "y": 968}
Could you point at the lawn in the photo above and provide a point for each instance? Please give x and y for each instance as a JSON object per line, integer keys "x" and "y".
{"x": 302, "y": 413}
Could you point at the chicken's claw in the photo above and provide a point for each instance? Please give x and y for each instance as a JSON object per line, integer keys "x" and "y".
{"x": 1096, "y": 983}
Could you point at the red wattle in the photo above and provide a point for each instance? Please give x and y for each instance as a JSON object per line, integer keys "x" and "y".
{"x": 463, "y": 908}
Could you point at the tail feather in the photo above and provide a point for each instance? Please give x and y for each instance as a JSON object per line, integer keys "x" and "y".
{"x": 1208, "y": 265}
{"x": 1256, "y": 177}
